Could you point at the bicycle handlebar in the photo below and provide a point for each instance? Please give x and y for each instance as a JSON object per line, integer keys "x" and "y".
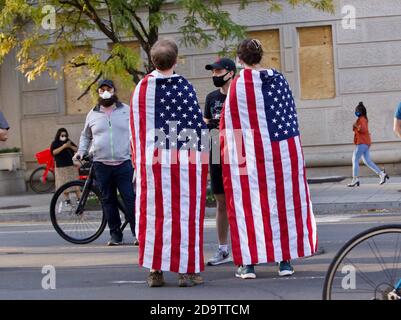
{"x": 85, "y": 158}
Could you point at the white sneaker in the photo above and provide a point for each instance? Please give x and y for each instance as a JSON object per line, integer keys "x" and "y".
{"x": 220, "y": 257}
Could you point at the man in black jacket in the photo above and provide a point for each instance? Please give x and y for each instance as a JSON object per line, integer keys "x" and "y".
{"x": 223, "y": 71}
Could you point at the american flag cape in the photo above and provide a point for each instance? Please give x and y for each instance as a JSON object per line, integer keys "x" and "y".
{"x": 171, "y": 173}
{"x": 268, "y": 201}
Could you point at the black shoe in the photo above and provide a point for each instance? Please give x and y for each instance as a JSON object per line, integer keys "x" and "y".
{"x": 355, "y": 182}
{"x": 116, "y": 239}
{"x": 383, "y": 177}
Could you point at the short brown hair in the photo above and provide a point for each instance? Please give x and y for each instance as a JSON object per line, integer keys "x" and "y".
{"x": 250, "y": 51}
{"x": 164, "y": 54}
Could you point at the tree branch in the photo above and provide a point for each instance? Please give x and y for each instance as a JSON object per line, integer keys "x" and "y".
{"x": 91, "y": 13}
{"x": 110, "y": 17}
{"x": 138, "y": 19}
{"x": 95, "y": 18}
{"x": 90, "y": 86}
{"x": 77, "y": 65}
{"x": 137, "y": 34}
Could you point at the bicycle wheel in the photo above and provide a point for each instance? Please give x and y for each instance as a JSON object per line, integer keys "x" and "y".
{"x": 77, "y": 227}
{"x": 368, "y": 267}
{"x": 36, "y": 181}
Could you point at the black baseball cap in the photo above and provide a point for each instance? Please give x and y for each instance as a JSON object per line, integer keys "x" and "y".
{"x": 222, "y": 63}
{"x": 107, "y": 83}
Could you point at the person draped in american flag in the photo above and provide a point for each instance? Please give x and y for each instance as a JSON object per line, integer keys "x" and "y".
{"x": 268, "y": 200}
{"x": 170, "y": 156}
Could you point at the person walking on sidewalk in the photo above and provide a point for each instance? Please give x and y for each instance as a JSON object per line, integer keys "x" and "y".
{"x": 223, "y": 71}
{"x": 4, "y": 127}
{"x": 63, "y": 149}
{"x": 363, "y": 142}
{"x": 268, "y": 203}
{"x": 107, "y": 128}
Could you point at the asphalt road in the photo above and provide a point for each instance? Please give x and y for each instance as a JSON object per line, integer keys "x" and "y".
{"x": 96, "y": 271}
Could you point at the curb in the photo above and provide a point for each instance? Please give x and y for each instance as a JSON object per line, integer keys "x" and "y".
{"x": 330, "y": 208}
{"x": 326, "y": 179}
{"x": 25, "y": 217}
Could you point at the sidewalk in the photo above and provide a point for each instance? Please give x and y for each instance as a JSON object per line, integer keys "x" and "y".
{"x": 370, "y": 196}
{"x": 328, "y": 198}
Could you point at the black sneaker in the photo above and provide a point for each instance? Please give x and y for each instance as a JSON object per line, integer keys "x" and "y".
{"x": 285, "y": 269}
{"x": 116, "y": 239}
{"x": 246, "y": 272}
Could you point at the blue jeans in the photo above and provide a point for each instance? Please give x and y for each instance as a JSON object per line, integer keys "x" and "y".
{"x": 113, "y": 178}
{"x": 362, "y": 151}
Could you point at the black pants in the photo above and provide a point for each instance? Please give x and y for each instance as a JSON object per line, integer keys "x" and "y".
{"x": 113, "y": 178}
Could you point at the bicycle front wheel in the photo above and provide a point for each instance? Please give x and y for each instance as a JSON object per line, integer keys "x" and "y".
{"x": 39, "y": 184}
{"x": 368, "y": 267}
{"x": 77, "y": 226}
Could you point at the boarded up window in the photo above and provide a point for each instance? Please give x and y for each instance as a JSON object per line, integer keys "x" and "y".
{"x": 126, "y": 85}
{"x": 271, "y": 47}
{"x": 73, "y": 90}
{"x": 316, "y": 63}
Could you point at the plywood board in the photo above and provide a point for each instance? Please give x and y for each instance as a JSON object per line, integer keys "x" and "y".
{"x": 316, "y": 63}
{"x": 73, "y": 90}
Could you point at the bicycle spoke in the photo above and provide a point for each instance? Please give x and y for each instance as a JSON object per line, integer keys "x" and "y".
{"x": 380, "y": 259}
{"x": 397, "y": 258}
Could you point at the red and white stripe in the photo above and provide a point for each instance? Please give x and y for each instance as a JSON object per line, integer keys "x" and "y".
{"x": 170, "y": 193}
{"x": 268, "y": 204}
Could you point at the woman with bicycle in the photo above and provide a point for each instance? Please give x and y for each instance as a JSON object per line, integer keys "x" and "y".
{"x": 63, "y": 149}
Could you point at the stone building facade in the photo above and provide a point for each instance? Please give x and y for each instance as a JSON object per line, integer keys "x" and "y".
{"x": 330, "y": 69}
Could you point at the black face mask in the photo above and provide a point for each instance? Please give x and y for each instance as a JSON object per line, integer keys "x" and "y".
{"x": 219, "y": 81}
{"x": 108, "y": 102}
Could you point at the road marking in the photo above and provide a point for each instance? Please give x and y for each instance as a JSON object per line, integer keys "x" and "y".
{"x": 297, "y": 278}
{"x": 42, "y": 231}
{"x": 329, "y": 219}
{"x": 26, "y": 231}
{"x": 129, "y": 282}
{"x": 209, "y": 224}
{"x": 24, "y": 224}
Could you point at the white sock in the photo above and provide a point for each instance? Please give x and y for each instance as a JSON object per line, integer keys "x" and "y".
{"x": 223, "y": 247}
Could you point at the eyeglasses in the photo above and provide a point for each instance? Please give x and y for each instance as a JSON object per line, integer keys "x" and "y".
{"x": 63, "y": 136}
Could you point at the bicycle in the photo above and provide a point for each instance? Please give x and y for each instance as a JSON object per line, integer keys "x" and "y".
{"x": 367, "y": 267}
{"x": 80, "y": 220}
{"x": 42, "y": 179}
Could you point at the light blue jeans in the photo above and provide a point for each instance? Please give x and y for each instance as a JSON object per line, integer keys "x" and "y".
{"x": 362, "y": 151}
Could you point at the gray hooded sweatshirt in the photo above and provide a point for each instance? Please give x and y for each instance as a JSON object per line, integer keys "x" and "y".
{"x": 110, "y": 137}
